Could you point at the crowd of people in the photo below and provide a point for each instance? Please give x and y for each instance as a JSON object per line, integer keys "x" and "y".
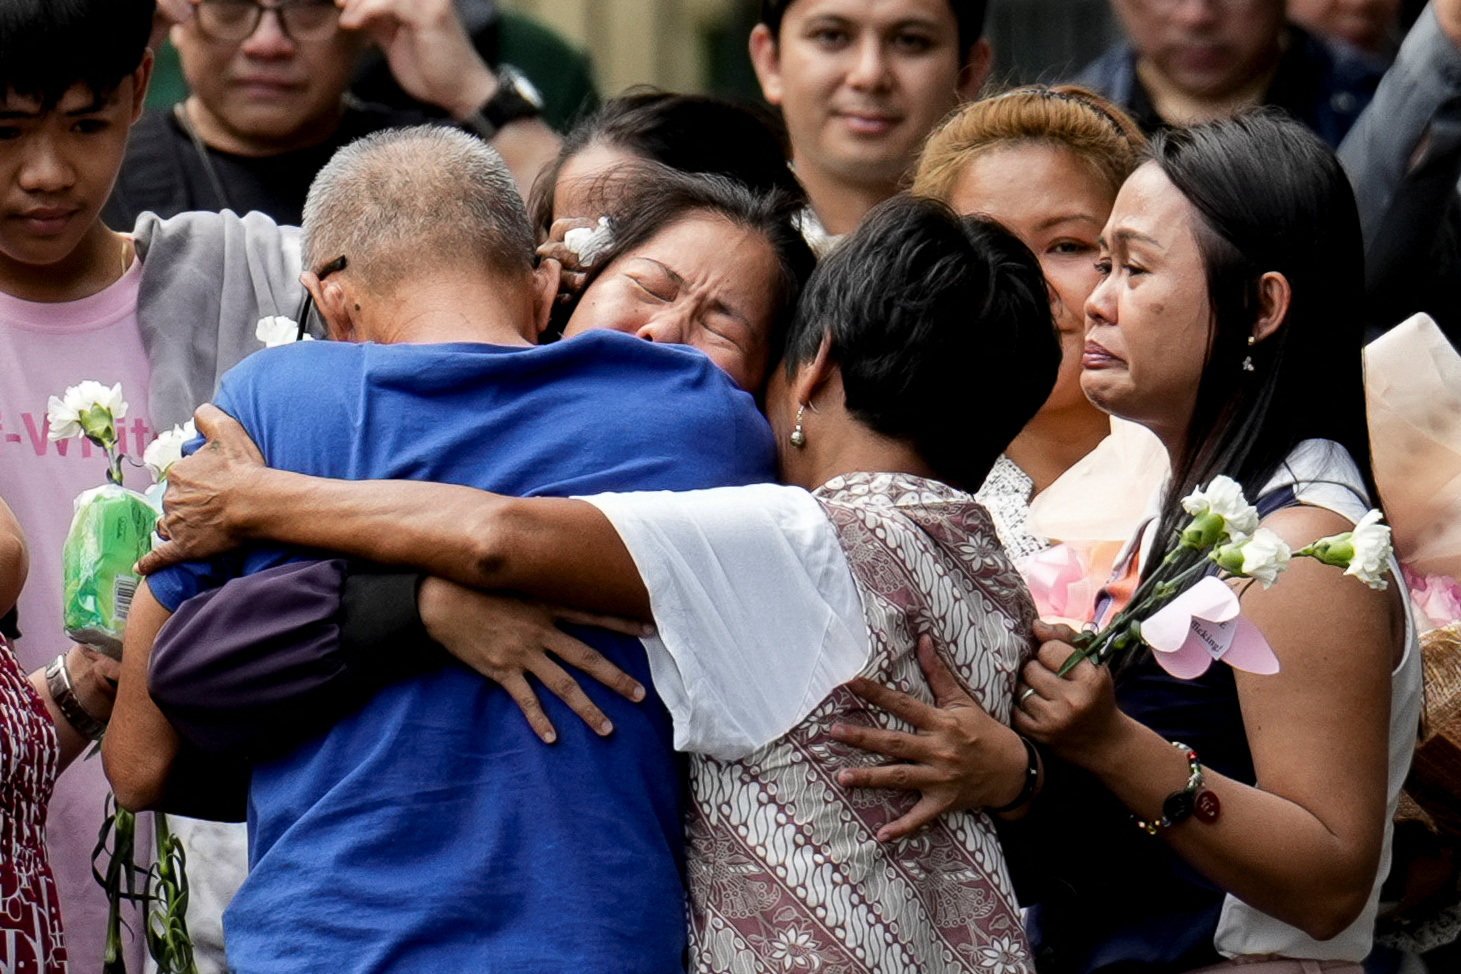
{"x": 624, "y": 537}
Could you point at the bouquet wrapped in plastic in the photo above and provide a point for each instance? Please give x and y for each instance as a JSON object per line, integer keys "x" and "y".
{"x": 112, "y": 526}
{"x": 111, "y": 529}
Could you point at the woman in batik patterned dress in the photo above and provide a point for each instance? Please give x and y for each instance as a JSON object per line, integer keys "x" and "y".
{"x": 921, "y": 347}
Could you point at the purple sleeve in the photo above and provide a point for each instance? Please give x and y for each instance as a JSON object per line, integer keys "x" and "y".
{"x": 274, "y": 658}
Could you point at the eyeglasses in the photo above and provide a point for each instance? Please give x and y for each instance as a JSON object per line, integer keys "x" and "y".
{"x": 307, "y": 303}
{"x": 236, "y": 20}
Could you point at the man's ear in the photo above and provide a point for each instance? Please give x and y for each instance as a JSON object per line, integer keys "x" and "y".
{"x": 141, "y": 79}
{"x": 334, "y": 306}
{"x": 545, "y": 294}
{"x": 976, "y": 68}
{"x": 1274, "y": 297}
{"x": 766, "y": 60}
{"x": 812, "y": 377}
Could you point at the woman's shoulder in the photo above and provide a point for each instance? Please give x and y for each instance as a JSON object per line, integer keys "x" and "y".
{"x": 924, "y": 539}
{"x": 903, "y": 508}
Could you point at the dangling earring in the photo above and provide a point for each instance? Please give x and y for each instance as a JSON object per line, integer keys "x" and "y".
{"x": 798, "y": 435}
{"x": 1248, "y": 359}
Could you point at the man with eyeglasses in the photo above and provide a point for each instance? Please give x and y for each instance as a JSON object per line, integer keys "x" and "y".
{"x": 1187, "y": 61}
{"x": 268, "y": 104}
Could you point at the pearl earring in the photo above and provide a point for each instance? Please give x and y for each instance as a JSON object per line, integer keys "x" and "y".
{"x": 1248, "y": 359}
{"x": 798, "y": 435}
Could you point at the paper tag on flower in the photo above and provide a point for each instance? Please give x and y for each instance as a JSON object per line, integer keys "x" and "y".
{"x": 1204, "y": 624}
{"x": 1215, "y": 637}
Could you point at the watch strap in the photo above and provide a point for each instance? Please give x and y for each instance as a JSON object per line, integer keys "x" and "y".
{"x": 58, "y": 684}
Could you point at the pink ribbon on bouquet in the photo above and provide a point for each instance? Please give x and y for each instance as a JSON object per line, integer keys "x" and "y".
{"x": 1203, "y": 624}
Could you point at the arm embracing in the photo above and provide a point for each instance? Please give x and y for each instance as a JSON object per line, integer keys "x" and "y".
{"x": 560, "y": 550}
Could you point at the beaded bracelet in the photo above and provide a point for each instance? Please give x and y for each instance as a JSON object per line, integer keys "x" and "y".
{"x": 1180, "y": 805}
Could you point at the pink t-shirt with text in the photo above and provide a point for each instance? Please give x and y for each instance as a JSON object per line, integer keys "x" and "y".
{"x": 44, "y": 348}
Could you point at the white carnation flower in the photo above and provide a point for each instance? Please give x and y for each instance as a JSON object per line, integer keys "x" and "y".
{"x": 1224, "y": 498}
{"x": 1265, "y": 556}
{"x": 87, "y": 409}
{"x": 1364, "y": 552}
{"x": 167, "y": 449}
{"x": 1370, "y": 562}
{"x": 276, "y": 330}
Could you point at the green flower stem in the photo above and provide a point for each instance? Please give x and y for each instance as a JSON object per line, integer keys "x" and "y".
{"x": 1123, "y": 633}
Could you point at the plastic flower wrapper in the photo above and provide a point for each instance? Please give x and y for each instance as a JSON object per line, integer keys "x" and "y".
{"x": 110, "y": 529}
{"x": 1436, "y": 598}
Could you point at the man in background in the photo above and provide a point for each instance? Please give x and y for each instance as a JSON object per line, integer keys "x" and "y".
{"x": 1187, "y": 61}
{"x": 861, "y": 83}
{"x": 268, "y": 103}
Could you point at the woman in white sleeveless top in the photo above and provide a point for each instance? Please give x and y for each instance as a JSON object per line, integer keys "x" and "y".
{"x": 1227, "y": 324}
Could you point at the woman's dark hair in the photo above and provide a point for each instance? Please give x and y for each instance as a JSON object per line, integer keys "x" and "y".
{"x": 1270, "y": 197}
{"x": 942, "y": 330}
{"x": 969, "y": 14}
{"x": 47, "y": 46}
{"x": 691, "y": 133}
{"x": 645, "y": 198}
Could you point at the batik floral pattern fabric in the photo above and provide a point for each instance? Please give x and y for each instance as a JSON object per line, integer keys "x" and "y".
{"x": 30, "y": 909}
{"x": 785, "y": 872}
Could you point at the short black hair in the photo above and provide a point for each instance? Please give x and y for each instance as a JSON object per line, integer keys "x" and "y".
{"x": 942, "y": 329}
{"x": 647, "y": 197}
{"x": 969, "y": 14}
{"x": 691, "y": 133}
{"x": 48, "y": 46}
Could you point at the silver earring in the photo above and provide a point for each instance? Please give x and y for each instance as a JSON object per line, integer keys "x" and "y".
{"x": 799, "y": 435}
{"x": 1248, "y": 359}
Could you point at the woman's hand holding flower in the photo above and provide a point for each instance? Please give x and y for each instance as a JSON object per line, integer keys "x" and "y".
{"x": 204, "y": 510}
{"x": 957, "y": 757}
{"x": 1074, "y": 715}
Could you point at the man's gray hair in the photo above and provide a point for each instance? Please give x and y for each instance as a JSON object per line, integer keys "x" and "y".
{"x": 407, "y": 200}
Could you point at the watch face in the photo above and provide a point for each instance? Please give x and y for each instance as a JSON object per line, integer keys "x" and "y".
{"x": 1178, "y": 806}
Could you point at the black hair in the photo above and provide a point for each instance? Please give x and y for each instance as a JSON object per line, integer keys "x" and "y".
{"x": 941, "y": 327}
{"x": 48, "y": 46}
{"x": 968, "y": 14}
{"x": 648, "y": 198}
{"x": 691, "y": 133}
{"x": 1270, "y": 197}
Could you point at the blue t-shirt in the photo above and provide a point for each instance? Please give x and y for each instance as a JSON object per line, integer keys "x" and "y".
{"x": 432, "y": 831}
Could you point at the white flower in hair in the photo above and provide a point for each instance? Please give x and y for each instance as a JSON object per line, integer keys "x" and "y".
{"x": 167, "y": 449}
{"x": 87, "y": 409}
{"x": 589, "y": 243}
{"x": 276, "y": 330}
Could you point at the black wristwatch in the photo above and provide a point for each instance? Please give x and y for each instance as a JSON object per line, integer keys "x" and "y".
{"x": 516, "y": 98}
